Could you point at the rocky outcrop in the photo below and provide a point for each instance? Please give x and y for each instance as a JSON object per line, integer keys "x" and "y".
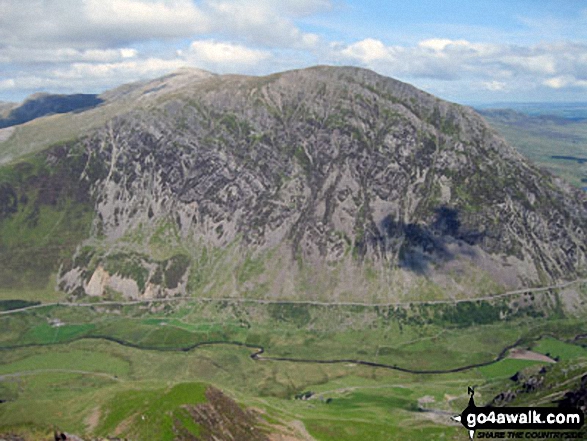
{"x": 222, "y": 419}
{"x": 576, "y": 398}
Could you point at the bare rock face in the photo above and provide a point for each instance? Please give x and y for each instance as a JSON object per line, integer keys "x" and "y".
{"x": 324, "y": 183}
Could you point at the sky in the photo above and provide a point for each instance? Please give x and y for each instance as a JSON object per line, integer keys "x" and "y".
{"x": 468, "y": 52}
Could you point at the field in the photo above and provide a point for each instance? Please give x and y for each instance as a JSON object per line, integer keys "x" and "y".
{"x": 560, "y": 350}
{"x": 131, "y": 370}
{"x": 547, "y": 139}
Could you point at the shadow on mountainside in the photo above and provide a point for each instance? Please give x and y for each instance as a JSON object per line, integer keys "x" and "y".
{"x": 425, "y": 245}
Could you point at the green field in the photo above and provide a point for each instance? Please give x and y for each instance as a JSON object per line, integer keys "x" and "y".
{"x": 506, "y": 368}
{"x": 556, "y": 348}
{"x": 131, "y": 369}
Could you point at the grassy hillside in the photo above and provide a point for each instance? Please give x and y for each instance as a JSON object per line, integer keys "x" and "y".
{"x": 45, "y": 211}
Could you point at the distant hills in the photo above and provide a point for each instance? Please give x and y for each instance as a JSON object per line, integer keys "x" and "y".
{"x": 565, "y": 110}
{"x": 39, "y": 105}
{"x": 555, "y": 138}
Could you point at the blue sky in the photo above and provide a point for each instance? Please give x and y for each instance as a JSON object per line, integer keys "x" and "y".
{"x": 404, "y": 22}
{"x": 468, "y": 52}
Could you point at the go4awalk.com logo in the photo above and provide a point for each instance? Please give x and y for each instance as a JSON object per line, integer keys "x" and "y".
{"x": 537, "y": 423}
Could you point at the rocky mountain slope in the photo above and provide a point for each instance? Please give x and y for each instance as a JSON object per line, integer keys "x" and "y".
{"x": 324, "y": 183}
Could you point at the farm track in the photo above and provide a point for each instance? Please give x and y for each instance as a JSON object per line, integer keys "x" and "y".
{"x": 294, "y": 302}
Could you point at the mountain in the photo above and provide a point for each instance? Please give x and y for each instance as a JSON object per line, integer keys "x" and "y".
{"x": 327, "y": 183}
{"x": 42, "y": 104}
{"x": 40, "y": 133}
{"x": 6, "y": 107}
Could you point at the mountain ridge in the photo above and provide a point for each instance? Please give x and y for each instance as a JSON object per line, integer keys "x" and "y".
{"x": 318, "y": 183}
{"x": 42, "y": 104}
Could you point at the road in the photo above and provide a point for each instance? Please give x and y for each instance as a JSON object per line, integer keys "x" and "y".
{"x": 295, "y": 302}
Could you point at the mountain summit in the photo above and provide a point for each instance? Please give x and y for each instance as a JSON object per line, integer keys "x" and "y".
{"x": 327, "y": 183}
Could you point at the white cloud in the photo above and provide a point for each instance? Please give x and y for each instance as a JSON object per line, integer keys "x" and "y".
{"x": 127, "y": 67}
{"x": 212, "y": 52}
{"x": 498, "y": 66}
{"x": 302, "y": 8}
{"x": 96, "y": 23}
{"x": 494, "y": 86}
{"x": 426, "y": 61}
{"x": 367, "y": 51}
{"x": 89, "y": 77}
{"x": 141, "y": 12}
{"x": 111, "y": 23}
{"x": 62, "y": 44}
{"x": 66, "y": 54}
{"x": 540, "y": 63}
{"x": 263, "y": 22}
{"x": 146, "y": 19}
{"x": 129, "y": 70}
{"x": 440, "y": 44}
{"x": 128, "y": 53}
{"x": 7, "y": 84}
{"x": 557, "y": 82}
{"x": 55, "y": 44}
{"x": 29, "y": 82}
{"x": 564, "y": 81}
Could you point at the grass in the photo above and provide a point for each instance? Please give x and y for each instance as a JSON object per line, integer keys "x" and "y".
{"x": 152, "y": 414}
{"x": 71, "y": 359}
{"x": 37, "y": 395}
{"x": 325, "y": 430}
{"x": 121, "y": 384}
{"x": 44, "y": 295}
{"x": 137, "y": 389}
{"x": 10, "y": 305}
{"x": 556, "y": 348}
{"x": 506, "y": 368}
{"x": 49, "y": 215}
{"x": 39, "y": 134}
{"x": 298, "y": 331}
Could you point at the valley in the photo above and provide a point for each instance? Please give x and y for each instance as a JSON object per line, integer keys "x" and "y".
{"x": 554, "y": 137}
{"x": 86, "y": 358}
{"x": 316, "y": 255}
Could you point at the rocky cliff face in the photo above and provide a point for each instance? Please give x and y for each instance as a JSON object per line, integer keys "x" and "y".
{"x": 324, "y": 183}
